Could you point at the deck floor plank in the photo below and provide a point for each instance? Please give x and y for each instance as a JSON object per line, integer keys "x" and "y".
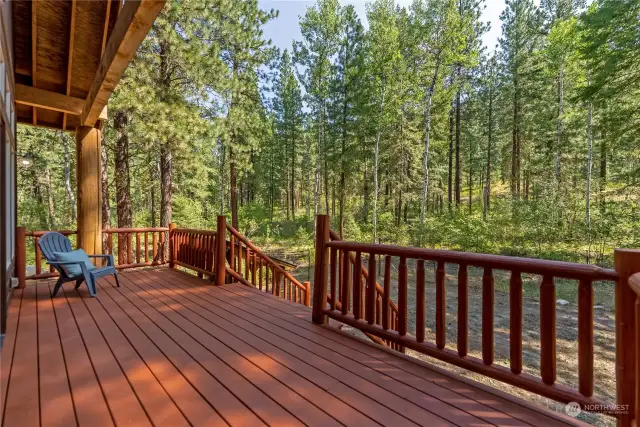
{"x": 56, "y": 404}
{"x": 158, "y": 404}
{"x": 124, "y": 404}
{"x": 300, "y": 376}
{"x": 203, "y": 345}
{"x": 168, "y": 349}
{"x": 6, "y": 357}
{"x": 191, "y": 387}
{"x": 22, "y": 407}
{"x": 289, "y": 316}
{"x": 377, "y": 387}
{"x": 88, "y": 399}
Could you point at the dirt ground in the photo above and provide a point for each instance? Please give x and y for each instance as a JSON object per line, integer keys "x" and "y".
{"x": 567, "y": 330}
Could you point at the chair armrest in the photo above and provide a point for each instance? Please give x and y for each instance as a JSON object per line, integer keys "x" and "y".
{"x": 63, "y": 262}
{"x": 108, "y": 257}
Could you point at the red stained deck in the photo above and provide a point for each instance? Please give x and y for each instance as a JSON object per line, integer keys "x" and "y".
{"x": 168, "y": 349}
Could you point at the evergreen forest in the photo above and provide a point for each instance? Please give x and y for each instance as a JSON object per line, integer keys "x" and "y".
{"x": 399, "y": 124}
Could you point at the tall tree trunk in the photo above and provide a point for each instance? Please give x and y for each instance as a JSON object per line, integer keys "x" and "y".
{"x": 559, "y": 130}
{"x": 234, "y": 185}
{"x": 458, "y": 131}
{"x": 67, "y": 175}
{"x": 450, "y": 174}
{"x": 122, "y": 177}
{"x": 425, "y": 155}
{"x": 293, "y": 173}
{"x": 589, "y": 166}
{"x": 365, "y": 186}
{"x": 166, "y": 186}
{"x": 376, "y": 156}
{"x": 51, "y": 211}
{"x": 487, "y": 188}
{"x": 106, "y": 203}
{"x": 603, "y": 173}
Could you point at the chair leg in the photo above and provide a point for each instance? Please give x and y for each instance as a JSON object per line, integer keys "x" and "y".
{"x": 117, "y": 281}
{"x": 57, "y": 287}
{"x": 78, "y": 283}
{"x": 91, "y": 284}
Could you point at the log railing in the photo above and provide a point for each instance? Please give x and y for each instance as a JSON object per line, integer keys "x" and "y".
{"x": 363, "y": 315}
{"x": 136, "y": 247}
{"x": 194, "y": 249}
{"x": 32, "y": 238}
{"x": 335, "y": 293}
{"x": 251, "y": 266}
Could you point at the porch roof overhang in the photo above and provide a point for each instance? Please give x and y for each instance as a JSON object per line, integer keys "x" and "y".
{"x": 70, "y": 54}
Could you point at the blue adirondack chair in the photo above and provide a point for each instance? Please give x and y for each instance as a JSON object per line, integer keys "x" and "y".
{"x": 52, "y": 243}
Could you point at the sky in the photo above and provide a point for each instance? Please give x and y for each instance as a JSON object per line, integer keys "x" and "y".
{"x": 285, "y": 29}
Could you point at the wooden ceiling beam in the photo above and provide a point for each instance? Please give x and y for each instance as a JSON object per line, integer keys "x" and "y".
{"x": 40, "y": 98}
{"x": 34, "y": 56}
{"x": 72, "y": 33}
{"x": 131, "y": 27}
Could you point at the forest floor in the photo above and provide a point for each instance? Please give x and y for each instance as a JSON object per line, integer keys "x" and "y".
{"x": 567, "y": 331}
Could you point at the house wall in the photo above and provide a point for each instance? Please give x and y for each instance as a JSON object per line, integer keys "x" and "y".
{"x": 8, "y": 155}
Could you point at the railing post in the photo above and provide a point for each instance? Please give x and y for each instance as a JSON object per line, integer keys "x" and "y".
{"x": 221, "y": 239}
{"x": 172, "y": 255}
{"x": 21, "y": 256}
{"x": 321, "y": 272}
{"x": 627, "y": 262}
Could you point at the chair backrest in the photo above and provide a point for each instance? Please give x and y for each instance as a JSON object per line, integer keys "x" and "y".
{"x": 54, "y": 242}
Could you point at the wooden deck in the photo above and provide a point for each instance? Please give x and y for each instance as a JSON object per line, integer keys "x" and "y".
{"x": 168, "y": 349}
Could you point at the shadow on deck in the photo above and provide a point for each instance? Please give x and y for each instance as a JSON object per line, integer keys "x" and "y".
{"x": 168, "y": 349}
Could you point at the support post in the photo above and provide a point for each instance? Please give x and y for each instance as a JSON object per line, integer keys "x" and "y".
{"x": 627, "y": 263}
{"x": 221, "y": 239}
{"x": 88, "y": 142}
{"x": 321, "y": 272}
{"x": 21, "y": 256}
{"x": 172, "y": 254}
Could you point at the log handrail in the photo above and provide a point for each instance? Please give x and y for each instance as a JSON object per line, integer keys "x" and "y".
{"x": 561, "y": 269}
{"x": 253, "y": 270}
{"x": 329, "y": 249}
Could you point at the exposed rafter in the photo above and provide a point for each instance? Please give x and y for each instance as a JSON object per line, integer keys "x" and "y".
{"x": 72, "y": 33}
{"x": 40, "y": 98}
{"x": 133, "y": 24}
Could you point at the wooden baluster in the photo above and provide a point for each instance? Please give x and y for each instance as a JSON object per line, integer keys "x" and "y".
{"x": 110, "y": 243}
{"x": 232, "y": 252}
{"x": 340, "y": 275}
{"x": 548, "y": 330}
{"x": 585, "y": 338}
{"x": 129, "y": 248}
{"x": 297, "y": 290}
{"x": 333, "y": 255}
{"x": 146, "y": 246}
{"x": 441, "y": 306}
{"x": 260, "y": 274}
{"x": 357, "y": 286}
{"x": 379, "y": 310}
{"x": 246, "y": 262}
{"x": 402, "y": 296}
{"x": 346, "y": 273}
{"x": 253, "y": 270}
{"x": 36, "y": 243}
{"x": 386, "y": 294}
{"x": 370, "y": 310}
{"x": 420, "y": 301}
{"x": 138, "y": 248}
{"x": 463, "y": 310}
{"x": 154, "y": 250}
{"x": 487, "y": 316}
{"x": 163, "y": 244}
{"x": 515, "y": 322}
{"x": 266, "y": 279}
